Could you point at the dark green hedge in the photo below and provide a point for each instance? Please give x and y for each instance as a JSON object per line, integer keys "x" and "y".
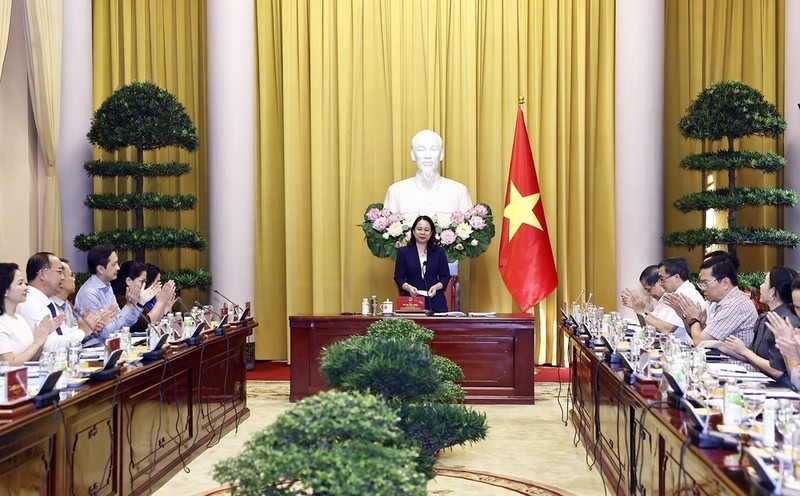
{"x": 148, "y": 238}
{"x": 721, "y": 199}
{"x": 769, "y": 162}
{"x": 739, "y": 236}
{"x": 149, "y": 201}
{"x": 103, "y": 168}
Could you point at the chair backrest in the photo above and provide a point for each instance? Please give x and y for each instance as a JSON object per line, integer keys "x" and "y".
{"x": 451, "y": 295}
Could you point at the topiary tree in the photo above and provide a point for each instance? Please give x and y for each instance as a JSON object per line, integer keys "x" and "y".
{"x": 394, "y": 360}
{"x": 142, "y": 115}
{"x": 731, "y": 110}
{"x": 333, "y": 443}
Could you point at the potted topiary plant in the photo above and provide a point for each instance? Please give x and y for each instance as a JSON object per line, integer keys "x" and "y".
{"x": 730, "y": 111}
{"x": 142, "y": 115}
{"x": 334, "y": 444}
{"x": 394, "y": 360}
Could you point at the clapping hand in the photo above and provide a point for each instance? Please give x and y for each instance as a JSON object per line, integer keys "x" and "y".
{"x": 46, "y": 326}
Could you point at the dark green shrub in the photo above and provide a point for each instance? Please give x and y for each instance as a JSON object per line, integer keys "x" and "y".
{"x": 400, "y": 328}
{"x": 333, "y": 443}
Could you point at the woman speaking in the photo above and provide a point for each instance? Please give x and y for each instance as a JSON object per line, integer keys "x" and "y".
{"x": 422, "y": 266}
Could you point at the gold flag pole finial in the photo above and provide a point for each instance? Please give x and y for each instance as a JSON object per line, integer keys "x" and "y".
{"x": 521, "y": 100}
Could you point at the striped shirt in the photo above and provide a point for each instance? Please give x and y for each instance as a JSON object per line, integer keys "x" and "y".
{"x": 735, "y": 315}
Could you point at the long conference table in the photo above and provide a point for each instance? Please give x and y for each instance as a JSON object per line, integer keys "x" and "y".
{"x": 640, "y": 448}
{"x": 128, "y": 436}
{"x": 495, "y": 353}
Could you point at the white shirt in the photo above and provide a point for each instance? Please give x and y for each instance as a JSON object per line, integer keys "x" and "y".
{"x": 688, "y": 289}
{"x": 410, "y": 196}
{"x": 34, "y": 309}
{"x": 15, "y": 334}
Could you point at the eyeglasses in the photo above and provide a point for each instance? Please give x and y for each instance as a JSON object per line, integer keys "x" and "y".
{"x": 664, "y": 278}
{"x": 704, "y": 284}
{"x": 60, "y": 270}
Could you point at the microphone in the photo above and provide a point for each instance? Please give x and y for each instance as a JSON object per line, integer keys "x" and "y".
{"x": 209, "y": 307}
{"x": 180, "y": 301}
{"x": 226, "y": 298}
{"x": 236, "y": 308}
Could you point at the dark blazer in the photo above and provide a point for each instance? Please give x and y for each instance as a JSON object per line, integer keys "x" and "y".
{"x": 407, "y": 269}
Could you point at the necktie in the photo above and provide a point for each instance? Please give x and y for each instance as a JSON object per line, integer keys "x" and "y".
{"x": 52, "y": 309}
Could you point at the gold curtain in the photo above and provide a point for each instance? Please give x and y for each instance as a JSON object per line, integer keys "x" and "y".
{"x": 5, "y": 28}
{"x": 162, "y": 41}
{"x": 341, "y": 88}
{"x": 708, "y": 41}
{"x": 43, "y": 21}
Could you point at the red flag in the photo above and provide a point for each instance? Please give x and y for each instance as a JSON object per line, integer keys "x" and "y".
{"x": 526, "y": 259}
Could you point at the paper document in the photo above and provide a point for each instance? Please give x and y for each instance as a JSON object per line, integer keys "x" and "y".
{"x": 422, "y": 293}
{"x": 482, "y": 314}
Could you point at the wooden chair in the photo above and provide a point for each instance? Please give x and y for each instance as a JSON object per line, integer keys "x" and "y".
{"x": 451, "y": 294}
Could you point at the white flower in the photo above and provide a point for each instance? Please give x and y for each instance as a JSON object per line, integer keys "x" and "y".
{"x": 396, "y": 229}
{"x": 463, "y": 230}
{"x": 408, "y": 220}
{"x": 385, "y": 235}
{"x": 443, "y": 220}
{"x": 474, "y": 242}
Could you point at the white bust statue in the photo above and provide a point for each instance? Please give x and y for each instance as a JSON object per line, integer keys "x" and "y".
{"x": 427, "y": 193}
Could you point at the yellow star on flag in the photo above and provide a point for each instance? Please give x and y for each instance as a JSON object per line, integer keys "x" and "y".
{"x": 520, "y": 211}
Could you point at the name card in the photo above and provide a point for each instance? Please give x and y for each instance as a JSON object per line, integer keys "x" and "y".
{"x": 13, "y": 383}
{"x": 413, "y": 304}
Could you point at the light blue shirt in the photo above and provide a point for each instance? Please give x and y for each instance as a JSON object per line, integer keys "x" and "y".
{"x": 94, "y": 295}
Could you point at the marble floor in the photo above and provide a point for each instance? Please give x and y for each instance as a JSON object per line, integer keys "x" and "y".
{"x": 524, "y": 443}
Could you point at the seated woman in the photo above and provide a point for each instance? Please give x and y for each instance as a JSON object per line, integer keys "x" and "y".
{"x": 132, "y": 272}
{"x": 17, "y": 343}
{"x": 776, "y": 293}
{"x": 422, "y": 266}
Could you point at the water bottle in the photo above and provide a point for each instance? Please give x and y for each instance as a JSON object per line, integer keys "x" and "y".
{"x": 769, "y": 422}
{"x": 365, "y": 306}
{"x": 125, "y": 340}
{"x": 188, "y": 327}
{"x": 75, "y": 359}
{"x": 732, "y": 404}
{"x": 177, "y": 323}
{"x": 61, "y": 364}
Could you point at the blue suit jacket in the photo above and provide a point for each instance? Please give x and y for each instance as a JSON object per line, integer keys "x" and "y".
{"x": 407, "y": 269}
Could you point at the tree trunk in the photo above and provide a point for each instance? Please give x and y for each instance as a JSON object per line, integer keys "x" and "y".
{"x": 138, "y": 224}
{"x": 731, "y": 188}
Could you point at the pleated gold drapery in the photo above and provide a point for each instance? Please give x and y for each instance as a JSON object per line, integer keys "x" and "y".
{"x": 708, "y": 41}
{"x": 342, "y": 86}
{"x": 162, "y": 41}
{"x": 43, "y": 21}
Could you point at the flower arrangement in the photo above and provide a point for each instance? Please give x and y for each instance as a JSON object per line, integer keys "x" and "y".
{"x": 462, "y": 234}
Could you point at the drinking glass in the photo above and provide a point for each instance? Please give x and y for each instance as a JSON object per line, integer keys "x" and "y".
{"x": 754, "y": 394}
{"x": 786, "y": 421}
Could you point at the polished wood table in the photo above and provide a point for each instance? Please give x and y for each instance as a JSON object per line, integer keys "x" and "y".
{"x": 128, "y": 436}
{"x": 640, "y": 445}
{"x": 495, "y": 353}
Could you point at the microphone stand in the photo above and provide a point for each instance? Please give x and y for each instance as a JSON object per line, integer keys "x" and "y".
{"x": 236, "y": 306}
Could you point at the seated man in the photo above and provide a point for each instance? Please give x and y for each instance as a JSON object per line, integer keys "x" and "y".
{"x": 662, "y": 317}
{"x": 735, "y": 313}
{"x": 45, "y": 275}
{"x": 96, "y": 293}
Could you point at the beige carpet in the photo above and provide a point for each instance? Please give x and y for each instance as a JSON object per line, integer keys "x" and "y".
{"x": 528, "y": 450}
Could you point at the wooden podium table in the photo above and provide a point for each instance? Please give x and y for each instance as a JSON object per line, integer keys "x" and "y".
{"x": 128, "y": 436}
{"x": 495, "y": 353}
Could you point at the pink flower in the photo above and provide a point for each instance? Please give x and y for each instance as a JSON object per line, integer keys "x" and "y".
{"x": 397, "y": 244}
{"x": 447, "y": 237}
{"x": 386, "y": 212}
{"x": 477, "y": 222}
{"x": 373, "y": 214}
{"x": 457, "y": 217}
{"x": 408, "y": 236}
{"x": 395, "y": 218}
{"x": 380, "y": 224}
{"x": 459, "y": 246}
{"x": 481, "y": 209}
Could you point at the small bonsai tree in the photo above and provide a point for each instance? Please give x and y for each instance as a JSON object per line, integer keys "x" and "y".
{"x": 142, "y": 115}
{"x": 394, "y": 360}
{"x": 731, "y": 110}
{"x": 333, "y": 443}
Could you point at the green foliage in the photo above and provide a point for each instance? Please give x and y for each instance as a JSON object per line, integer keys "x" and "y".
{"x": 334, "y": 444}
{"x": 739, "y": 236}
{"x": 150, "y": 201}
{"x": 751, "y": 280}
{"x": 101, "y": 168}
{"x": 398, "y": 328}
{"x": 143, "y": 115}
{"x": 393, "y": 368}
{"x": 724, "y": 160}
{"x": 731, "y": 109}
{"x": 149, "y": 237}
{"x": 394, "y": 360}
{"x": 721, "y": 199}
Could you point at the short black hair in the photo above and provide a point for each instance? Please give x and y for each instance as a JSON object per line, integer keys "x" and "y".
{"x": 7, "y": 271}
{"x": 676, "y": 265}
{"x": 38, "y": 261}
{"x": 649, "y": 275}
{"x": 98, "y": 256}
{"x": 722, "y": 253}
{"x": 721, "y": 267}
{"x": 152, "y": 271}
